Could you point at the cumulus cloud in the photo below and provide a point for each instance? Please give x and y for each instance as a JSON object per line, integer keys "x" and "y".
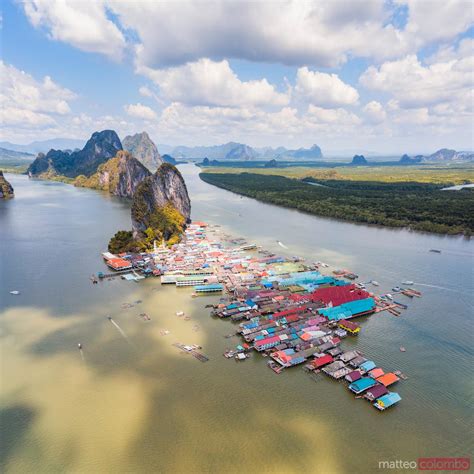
{"x": 145, "y": 91}
{"x": 324, "y": 89}
{"x": 413, "y": 84}
{"x": 84, "y": 25}
{"x": 140, "y": 111}
{"x": 374, "y": 112}
{"x": 290, "y": 32}
{"x": 339, "y": 115}
{"x": 24, "y": 101}
{"x": 432, "y": 20}
{"x": 207, "y": 82}
{"x": 252, "y": 125}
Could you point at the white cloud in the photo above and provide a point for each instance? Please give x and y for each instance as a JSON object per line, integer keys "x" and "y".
{"x": 204, "y": 124}
{"x": 340, "y": 115}
{"x": 434, "y": 20}
{"x": 375, "y": 112}
{"x": 140, "y": 111}
{"x": 24, "y": 101}
{"x": 447, "y": 79}
{"x": 324, "y": 89}
{"x": 82, "y": 24}
{"x": 292, "y": 32}
{"x": 413, "y": 84}
{"x": 207, "y": 82}
{"x": 145, "y": 91}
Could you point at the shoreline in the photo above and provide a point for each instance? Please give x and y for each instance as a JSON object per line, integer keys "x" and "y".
{"x": 337, "y": 219}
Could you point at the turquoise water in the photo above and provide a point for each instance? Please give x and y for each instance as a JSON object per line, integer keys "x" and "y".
{"x": 136, "y": 405}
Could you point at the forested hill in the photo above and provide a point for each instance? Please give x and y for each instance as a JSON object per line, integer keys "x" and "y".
{"x": 419, "y": 206}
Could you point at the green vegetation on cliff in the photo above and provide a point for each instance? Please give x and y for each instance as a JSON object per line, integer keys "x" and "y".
{"x": 165, "y": 225}
{"x": 111, "y": 167}
{"x": 122, "y": 241}
{"x": 419, "y": 206}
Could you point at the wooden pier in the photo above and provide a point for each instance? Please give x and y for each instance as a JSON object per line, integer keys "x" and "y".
{"x": 191, "y": 350}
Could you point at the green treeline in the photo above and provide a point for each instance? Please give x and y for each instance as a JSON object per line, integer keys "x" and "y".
{"x": 419, "y": 206}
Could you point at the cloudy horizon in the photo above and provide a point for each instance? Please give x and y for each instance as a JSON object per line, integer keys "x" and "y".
{"x": 388, "y": 77}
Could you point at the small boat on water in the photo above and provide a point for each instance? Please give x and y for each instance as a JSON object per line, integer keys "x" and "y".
{"x": 402, "y": 349}
{"x": 14, "y": 292}
{"x": 241, "y": 356}
{"x": 179, "y": 313}
{"x": 375, "y": 283}
{"x": 396, "y": 289}
{"x": 435, "y": 250}
{"x": 79, "y": 346}
{"x": 389, "y": 296}
{"x": 400, "y": 374}
{"x": 407, "y": 282}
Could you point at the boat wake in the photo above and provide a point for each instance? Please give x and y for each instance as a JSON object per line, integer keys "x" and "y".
{"x": 281, "y": 244}
{"x": 82, "y": 355}
{"x": 120, "y": 330}
{"x": 438, "y": 287}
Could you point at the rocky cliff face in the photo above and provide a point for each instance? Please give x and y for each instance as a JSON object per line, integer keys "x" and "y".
{"x": 156, "y": 198}
{"x": 99, "y": 148}
{"x": 6, "y": 189}
{"x": 119, "y": 176}
{"x": 143, "y": 149}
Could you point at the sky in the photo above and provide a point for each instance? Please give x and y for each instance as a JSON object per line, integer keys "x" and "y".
{"x": 357, "y": 76}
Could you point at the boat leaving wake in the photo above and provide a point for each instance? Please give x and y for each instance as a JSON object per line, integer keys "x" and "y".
{"x": 120, "y": 330}
{"x": 438, "y": 287}
{"x": 281, "y": 244}
{"x": 82, "y": 355}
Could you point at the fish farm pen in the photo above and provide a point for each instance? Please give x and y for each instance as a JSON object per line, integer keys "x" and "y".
{"x": 284, "y": 309}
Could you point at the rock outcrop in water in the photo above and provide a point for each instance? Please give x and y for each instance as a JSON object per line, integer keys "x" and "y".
{"x": 359, "y": 160}
{"x": 161, "y": 202}
{"x": 141, "y": 146}
{"x": 408, "y": 160}
{"x": 169, "y": 159}
{"x": 56, "y": 163}
{"x": 6, "y": 189}
{"x": 161, "y": 208}
{"x": 119, "y": 176}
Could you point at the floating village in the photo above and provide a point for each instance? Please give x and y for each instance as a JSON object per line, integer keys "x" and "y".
{"x": 291, "y": 312}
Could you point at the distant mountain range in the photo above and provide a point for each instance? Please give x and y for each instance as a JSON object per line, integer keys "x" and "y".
{"x": 7, "y": 155}
{"x": 233, "y": 151}
{"x": 44, "y": 146}
{"x": 143, "y": 148}
{"x": 449, "y": 155}
{"x": 441, "y": 156}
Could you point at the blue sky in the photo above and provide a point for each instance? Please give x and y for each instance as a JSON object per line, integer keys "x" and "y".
{"x": 389, "y": 77}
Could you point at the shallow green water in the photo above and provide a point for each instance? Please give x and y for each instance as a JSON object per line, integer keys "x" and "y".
{"x": 138, "y": 405}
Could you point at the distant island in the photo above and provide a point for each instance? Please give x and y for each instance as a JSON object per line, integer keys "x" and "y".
{"x": 359, "y": 160}
{"x": 440, "y": 157}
